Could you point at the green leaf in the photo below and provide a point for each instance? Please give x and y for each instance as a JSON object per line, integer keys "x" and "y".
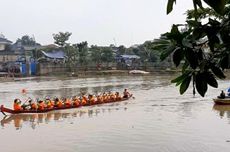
{"x": 185, "y": 84}
{"x": 170, "y": 5}
{"x": 217, "y": 5}
{"x": 180, "y": 78}
{"x": 167, "y": 52}
{"x": 211, "y": 80}
{"x": 218, "y": 72}
{"x": 198, "y": 33}
{"x": 224, "y": 62}
{"x": 201, "y": 84}
{"x": 185, "y": 65}
{"x": 191, "y": 57}
{"x": 178, "y": 55}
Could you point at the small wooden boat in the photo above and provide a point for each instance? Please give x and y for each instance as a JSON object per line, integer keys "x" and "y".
{"x": 11, "y": 111}
{"x": 224, "y": 101}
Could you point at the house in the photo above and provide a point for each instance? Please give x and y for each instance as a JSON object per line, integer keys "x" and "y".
{"x": 4, "y": 43}
{"x": 6, "y": 53}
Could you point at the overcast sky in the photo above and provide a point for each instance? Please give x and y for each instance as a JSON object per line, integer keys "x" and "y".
{"x": 101, "y": 22}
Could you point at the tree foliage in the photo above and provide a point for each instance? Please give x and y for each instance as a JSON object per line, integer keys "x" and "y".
{"x": 201, "y": 47}
{"x": 27, "y": 41}
{"x": 61, "y": 38}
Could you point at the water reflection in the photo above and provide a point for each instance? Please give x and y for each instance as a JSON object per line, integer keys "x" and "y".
{"x": 223, "y": 110}
{"x": 34, "y": 120}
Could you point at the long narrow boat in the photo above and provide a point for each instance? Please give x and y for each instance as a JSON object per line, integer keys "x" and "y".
{"x": 7, "y": 110}
{"x": 224, "y": 101}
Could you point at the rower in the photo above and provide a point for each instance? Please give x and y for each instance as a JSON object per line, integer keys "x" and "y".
{"x": 126, "y": 94}
{"x": 84, "y": 100}
{"x": 113, "y": 97}
{"x": 33, "y": 105}
{"x": 27, "y": 106}
{"x": 92, "y": 100}
{"x": 76, "y": 102}
{"x": 41, "y": 105}
{"x": 17, "y": 105}
{"x": 67, "y": 103}
{"x": 49, "y": 103}
{"x": 118, "y": 97}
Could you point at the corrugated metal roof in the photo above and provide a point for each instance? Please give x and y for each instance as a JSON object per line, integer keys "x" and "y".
{"x": 55, "y": 54}
{"x": 4, "y": 41}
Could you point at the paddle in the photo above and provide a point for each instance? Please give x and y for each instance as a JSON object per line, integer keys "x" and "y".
{"x": 23, "y": 105}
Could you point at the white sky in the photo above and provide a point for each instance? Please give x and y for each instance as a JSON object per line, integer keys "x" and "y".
{"x": 99, "y": 22}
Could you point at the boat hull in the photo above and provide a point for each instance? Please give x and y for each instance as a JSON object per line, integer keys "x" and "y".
{"x": 225, "y": 101}
{"x": 7, "y": 110}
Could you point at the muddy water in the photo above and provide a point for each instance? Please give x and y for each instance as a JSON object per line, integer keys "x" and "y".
{"x": 158, "y": 119}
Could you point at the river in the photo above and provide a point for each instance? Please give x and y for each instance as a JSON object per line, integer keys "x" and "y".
{"x": 158, "y": 119}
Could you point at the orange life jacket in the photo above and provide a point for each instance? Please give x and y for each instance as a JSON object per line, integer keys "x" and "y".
{"x": 76, "y": 102}
{"x": 17, "y": 107}
{"x": 84, "y": 100}
{"x": 41, "y": 106}
{"x": 67, "y": 103}
{"x": 59, "y": 104}
{"x": 34, "y": 106}
{"x": 92, "y": 101}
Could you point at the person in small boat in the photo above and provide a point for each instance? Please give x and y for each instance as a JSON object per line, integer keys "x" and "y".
{"x": 222, "y": 95}
{"x": 17, "y": 105}
{"x": 126, "y": 94}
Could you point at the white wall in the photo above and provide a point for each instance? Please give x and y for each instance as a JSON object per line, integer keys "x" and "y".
{"x": 2, "y": 47}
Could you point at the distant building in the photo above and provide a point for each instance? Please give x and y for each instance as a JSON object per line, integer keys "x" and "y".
{"x": 4, "y": 43}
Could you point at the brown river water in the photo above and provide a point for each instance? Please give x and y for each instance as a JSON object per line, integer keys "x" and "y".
{"x": 158, "y": 119}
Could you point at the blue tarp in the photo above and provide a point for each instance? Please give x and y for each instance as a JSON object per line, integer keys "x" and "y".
{"x": 54, "y": 54}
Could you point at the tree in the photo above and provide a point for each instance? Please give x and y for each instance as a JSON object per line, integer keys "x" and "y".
{"x": 83, "y": 52}
{"x": 96, "y": 54}
{"x": 204, "y": 48}
{"x": 27, "y": 41}
{"x": 71, "y": 55}
{"x": 61, "y": 38}
{"x": 107, "y": 55}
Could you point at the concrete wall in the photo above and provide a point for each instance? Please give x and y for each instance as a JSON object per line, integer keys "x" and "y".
{"x": 50, "y": 68}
